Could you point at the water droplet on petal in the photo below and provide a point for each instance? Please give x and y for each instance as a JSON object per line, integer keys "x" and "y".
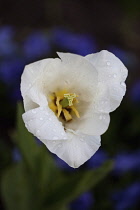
{"x": 33, "y": 111}
{"x": 110, "y": 75}
{"x": 50, "y": 119}
{"x": 46, "y": 113}
{"x": 41, "y": 118}
{"x": 114, "y": 75}
{"x": 81, "y": 139}
{"x": 30, "y": 85}
{"x": 108, "y": 63}
{"x": 41, "y": 108}
{"x": 122, "y": 84}
{"x": 38, "y": 131}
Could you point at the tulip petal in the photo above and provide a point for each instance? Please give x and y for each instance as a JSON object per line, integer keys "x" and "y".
{"x": 80, "y": 74}
{"x": 91, "y": 123}
{"x": 111, "y": 86}
{"x": 77, "y": 150}
{"x": 43, "y": 123}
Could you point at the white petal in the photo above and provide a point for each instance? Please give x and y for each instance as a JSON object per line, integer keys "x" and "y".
{"x": 43, "y": 123}
{"x": 34, "y": 73}
{"x": 75, "y": 151}
{"x": 80, "y": 74}
{"x": 33, "y": 82}
{"x": 90, "y": 123}
{"x": 112, "y": 74}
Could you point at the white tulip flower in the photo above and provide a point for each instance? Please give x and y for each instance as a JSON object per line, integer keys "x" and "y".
{"x": 67, "y": 101}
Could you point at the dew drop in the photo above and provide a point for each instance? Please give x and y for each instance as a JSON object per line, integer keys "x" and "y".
{"x": 41, "y": 118}
{"x": 50, "y": 119}
{"x": 81, "y": 139}
{"x": 33, "y": 111}
{"x": 122, "y": 84}
{"x": 46, "y": 113}
{"x": 30, "y": 85}
{"x": 110, "y": 75}
{"x": 38, "y": 131}
{"x": 114, "y": 75}
{"x": 108, "y": 63}
{"x": 41, "y": 108}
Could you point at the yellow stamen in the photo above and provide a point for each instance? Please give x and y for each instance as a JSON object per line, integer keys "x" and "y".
{"x": 59, "y": 106}
{"x": 52, "y": 97}
{"x": 62, "y": 101}
{"x": 67, "y": 115}
{"x": 75, "y": 111}
{"x": 53, "y": 107}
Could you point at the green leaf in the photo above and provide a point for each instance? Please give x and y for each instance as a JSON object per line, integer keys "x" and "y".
{"x": 25, "y": 140}
{"x": 46, "y": 172}
{"x": 76, "y": 184}
{"x": 19, "y": 190}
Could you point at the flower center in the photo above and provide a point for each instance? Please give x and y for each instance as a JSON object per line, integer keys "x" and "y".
{"x": 62, "y": 103}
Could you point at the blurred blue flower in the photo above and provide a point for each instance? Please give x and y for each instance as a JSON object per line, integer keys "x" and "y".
{"x": 16, "y": 155}
{"x": 11, "y": 70}
{"x": 120, "y": 53}
{"x": 97, "y": 160}
{"x": 127, "y": 58}
{"x": 36, "y": 45}
{"x": 7, "y": 44}
{"x": 76, "y": 43}
{"x": 84, "y": 202}
{"x": 135, "y": 92}
{"x": 16, "y": 94}
{"x": 127, "y": 198}
{"x": 125, "y": 162}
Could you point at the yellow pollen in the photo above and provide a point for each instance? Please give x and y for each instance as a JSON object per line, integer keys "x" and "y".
{"x": 62, "y": 103}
